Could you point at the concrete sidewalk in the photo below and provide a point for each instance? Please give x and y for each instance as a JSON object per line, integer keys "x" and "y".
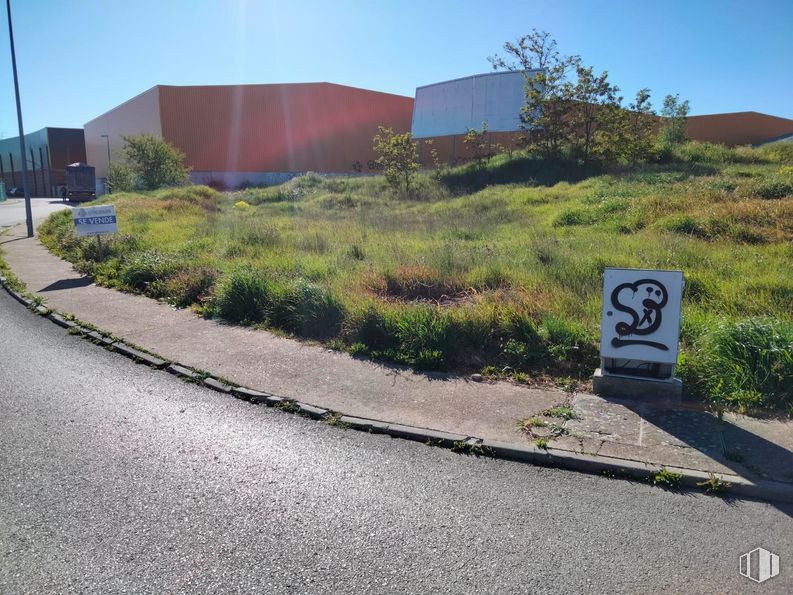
{"x": 688, "y": 438}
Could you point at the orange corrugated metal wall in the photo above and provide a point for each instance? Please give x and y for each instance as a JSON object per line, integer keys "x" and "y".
{"x": 742, "y": 128}
{"x": 318, "y": 127}
{"x": 451, "y": 150}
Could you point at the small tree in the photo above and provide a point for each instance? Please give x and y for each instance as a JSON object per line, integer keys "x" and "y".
{"x": 641, "y": 123}
{"x": 673, "y": 129}
{"x": 478, "y": 144}
{"x": 625, "y": 134}
{"x": 120, "y": 177}
{"x": 611, "y": 141}
{"x": 398, "y": 156}
{"x": 593, "y": 100}
{"x": 545, "y": 113}
{"x": 154, "y": 162}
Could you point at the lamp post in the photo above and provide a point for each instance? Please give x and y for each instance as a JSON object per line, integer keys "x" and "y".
{"x": 107, "y": 139}
{"x": 28, "y": 212}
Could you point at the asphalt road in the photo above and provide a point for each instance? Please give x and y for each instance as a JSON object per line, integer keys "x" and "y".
{"x": 12, "y": 211}
{"x": 117, "y": 478}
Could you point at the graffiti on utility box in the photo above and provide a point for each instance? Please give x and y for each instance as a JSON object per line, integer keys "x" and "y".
{"x": 641, "y": 315}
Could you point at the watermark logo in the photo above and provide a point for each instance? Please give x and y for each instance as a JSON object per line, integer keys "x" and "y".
{"x": 759, "y": 565}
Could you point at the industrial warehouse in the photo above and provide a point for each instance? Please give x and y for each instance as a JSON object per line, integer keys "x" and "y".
{"x": 233, "y": 135}
{"x": 237, "y": 135}
{"x": 48, "y": 152}
{"x": 443, "y": 112}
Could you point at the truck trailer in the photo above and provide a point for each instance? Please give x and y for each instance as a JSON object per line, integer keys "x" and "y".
{"x": 80, "y": 183}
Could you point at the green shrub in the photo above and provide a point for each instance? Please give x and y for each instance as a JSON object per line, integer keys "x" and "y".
{"x": 707, "y": 229}
{"x": 120, "y": 177}
{"x": 369, "y": 326}
{"x": 190, "y": 286}
{"x": 769, "y": 187}
{"x": 314, "y": 311}
{"x": 524, "y": 347}
{"x": 242, "y": 296}
{"x": 696, "y": 152}
{"x": 146, "y": 271}
{"x": 568, "y": 341}
{"x": 779, "y": 152}
{"x": 154, "y": 162}
{"x": 248, "y": 296}
{"x": 747, "y": 364}
{"x": 424, "y": 337}
{"x": 574, "y": 217}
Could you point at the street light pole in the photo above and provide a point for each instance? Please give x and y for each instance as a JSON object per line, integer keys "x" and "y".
{"x": 28, "y": 212}
{"x": 107, "y": 138}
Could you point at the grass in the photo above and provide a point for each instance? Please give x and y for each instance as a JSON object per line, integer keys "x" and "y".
{"x": 496, "y": 268}
{"x": 714, "y": 485}
{"x": 532, "y": 422}
{"x": 666, "y": 478}
{"x": 561, "y": 411}
{"x": 472, "y": 449}
{"x": 541, "y": 443}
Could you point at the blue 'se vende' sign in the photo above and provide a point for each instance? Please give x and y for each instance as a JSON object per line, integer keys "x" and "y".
{"x": 94, "y": 221}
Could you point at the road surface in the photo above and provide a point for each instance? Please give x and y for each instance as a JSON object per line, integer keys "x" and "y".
{"x": 118, "y": 478}
{"x": 12, "y": 211}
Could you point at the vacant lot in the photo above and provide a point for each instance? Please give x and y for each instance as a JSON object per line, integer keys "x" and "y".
{"x": 495, "y": 268}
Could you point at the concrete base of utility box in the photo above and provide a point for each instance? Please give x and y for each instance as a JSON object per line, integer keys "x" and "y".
{"x": 662, "y": 391}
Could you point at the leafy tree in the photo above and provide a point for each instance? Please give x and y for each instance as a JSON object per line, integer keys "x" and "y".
{"x": 592, "y": 99}
{"x": 626, "y": 134}
{"x": 478, "y": 143}
{"x": 398, "y": 156}
{"x": 641, "y": 124}
{"x": 535, "y": 50}
{"x": 154, "y": 162}
{"x": 548, "y": 93}
{"x": 673, "y": 129}
{"x": 120, "y": 177}
{"x": 611, "y": 140}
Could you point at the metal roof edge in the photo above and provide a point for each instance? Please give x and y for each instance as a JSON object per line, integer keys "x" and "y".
{"x": 302, "y": 84}
{"x": 473, "y": 76}
{"x": 741, "y": 112}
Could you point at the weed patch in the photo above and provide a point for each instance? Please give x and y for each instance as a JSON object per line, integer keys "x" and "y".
{"x": 746, "y": 364}
{"x": 666, "y": 479}
{"x": 714, "y": 485}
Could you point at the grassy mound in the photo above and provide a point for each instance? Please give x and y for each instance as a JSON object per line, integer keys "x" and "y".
{"x": 496, "y": 267}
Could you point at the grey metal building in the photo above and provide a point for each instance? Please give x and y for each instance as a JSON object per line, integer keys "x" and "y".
{"x": 48, "y": 152}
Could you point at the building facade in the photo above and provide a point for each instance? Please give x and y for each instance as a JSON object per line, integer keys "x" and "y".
{"x": 444, "y": 112}
{"x": 48, "y": 152}
{"x": 254, "y": 134}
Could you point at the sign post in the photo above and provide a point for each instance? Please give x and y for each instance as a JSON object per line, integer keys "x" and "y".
{"x": 95, "y": 221}
{"x": 640, "y": 334}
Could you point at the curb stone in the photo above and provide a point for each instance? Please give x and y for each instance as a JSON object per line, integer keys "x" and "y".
{"x": 61, "y": 321}
{"x": 106, "y": 341}
{"x": 740, "y": 487}
{"x": 248, "y": 394}
{"x": 217, "y": 385}
{"x": 183, "y": 372}
{"x": 146, "y": 358}
{"x": 312, "y": 411}
{"x": 421, "y": 435}
{"x": 366, "y": 425}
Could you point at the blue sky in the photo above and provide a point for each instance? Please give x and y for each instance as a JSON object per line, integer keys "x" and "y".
{"x": 79, "y": 58}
